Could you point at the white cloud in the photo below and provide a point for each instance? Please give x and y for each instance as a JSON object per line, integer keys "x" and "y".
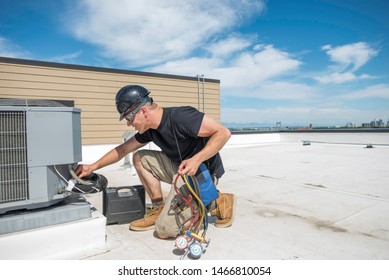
{"x": 340, "y": 78}
{"x": 9, "y": 49}
{"x": 252, "y": 68}
{"x": 277, "y": 91}
{"x": 326, "y": 47}
{"x": 188, "y": 67}
{"x": 375, "y": 91}
{"x": 67, "y": 58}
{"x": 155, "y": 31}
{"x": 347, "y": 60}
{"x": 352, "y": 56}
{"x": 228, "y": 46}
{"x": 244, "y": 70}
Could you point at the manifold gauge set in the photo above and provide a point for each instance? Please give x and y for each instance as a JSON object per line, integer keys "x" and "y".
{"x": 190, "y": 241}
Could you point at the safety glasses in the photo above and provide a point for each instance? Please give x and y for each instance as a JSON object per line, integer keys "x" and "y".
{"x": 130, "y": 117}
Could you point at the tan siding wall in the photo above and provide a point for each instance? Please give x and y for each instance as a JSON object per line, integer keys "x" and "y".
{"x": 94, "y": 92}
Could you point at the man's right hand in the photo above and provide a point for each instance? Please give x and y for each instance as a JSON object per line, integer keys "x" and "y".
{"x": 83, "y": 170}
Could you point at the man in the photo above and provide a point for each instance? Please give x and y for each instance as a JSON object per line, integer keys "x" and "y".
{"x": 187, "y": 138}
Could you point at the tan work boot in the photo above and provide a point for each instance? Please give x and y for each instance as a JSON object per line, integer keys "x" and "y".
{"x": 225, "y": 210}
{"x": 148, "y": 221}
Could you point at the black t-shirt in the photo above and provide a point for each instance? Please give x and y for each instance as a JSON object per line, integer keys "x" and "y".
{"x": 186, "y": 122}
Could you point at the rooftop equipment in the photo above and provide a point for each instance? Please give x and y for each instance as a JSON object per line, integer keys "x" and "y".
{"x": 39, "y": 139}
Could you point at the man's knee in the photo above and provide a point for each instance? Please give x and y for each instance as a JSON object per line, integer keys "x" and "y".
{"x": 163, "y": 235}
{"x": 137, "y": 159}
{"x": 166, "y": 229}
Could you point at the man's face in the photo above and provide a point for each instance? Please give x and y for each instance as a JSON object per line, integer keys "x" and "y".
{"x": 136, "y": 119}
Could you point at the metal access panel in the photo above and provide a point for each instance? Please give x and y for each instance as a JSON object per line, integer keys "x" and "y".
{"x": 54, "y": 136}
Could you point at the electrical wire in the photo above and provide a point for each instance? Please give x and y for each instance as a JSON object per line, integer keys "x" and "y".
{"x": 93, "y": 188}
{"x": 60, "y": 175}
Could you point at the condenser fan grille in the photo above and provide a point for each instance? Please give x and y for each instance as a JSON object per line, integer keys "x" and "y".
{"x": 13, "y": 157}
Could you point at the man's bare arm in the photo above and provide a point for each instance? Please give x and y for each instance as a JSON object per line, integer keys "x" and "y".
{"x": 111, "y": 157}
{"x": 219, "y": 135}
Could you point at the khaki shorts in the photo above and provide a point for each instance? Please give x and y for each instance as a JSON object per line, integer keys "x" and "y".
{"x": 169, "y": 221}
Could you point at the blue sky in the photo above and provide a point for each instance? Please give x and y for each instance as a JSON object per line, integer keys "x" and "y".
{"x": 323, "y": 62}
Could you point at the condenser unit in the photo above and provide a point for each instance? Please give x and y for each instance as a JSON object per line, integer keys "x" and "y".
{"x": 39, "y": 140}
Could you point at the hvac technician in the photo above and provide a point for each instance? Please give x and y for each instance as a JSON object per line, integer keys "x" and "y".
{"x": 187, "y": 138}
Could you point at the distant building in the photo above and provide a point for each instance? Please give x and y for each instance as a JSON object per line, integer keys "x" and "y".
{"x": 366, "y": 125}
{"x": 377, "y": 123}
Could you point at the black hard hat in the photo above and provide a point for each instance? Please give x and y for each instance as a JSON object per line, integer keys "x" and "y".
{"x": 130, "y": 97}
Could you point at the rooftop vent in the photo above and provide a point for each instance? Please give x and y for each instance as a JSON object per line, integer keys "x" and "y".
{"x": 306, "y": 143}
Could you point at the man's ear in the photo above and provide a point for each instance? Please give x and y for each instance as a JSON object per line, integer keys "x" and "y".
{"x": 145, "y": 111}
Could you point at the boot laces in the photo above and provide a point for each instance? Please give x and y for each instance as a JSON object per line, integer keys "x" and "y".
{"x": 152, "y": 211}
{"x": 220, "y": 210}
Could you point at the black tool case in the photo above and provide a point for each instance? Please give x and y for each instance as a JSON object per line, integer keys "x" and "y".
{"x": 123, "y": 205}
